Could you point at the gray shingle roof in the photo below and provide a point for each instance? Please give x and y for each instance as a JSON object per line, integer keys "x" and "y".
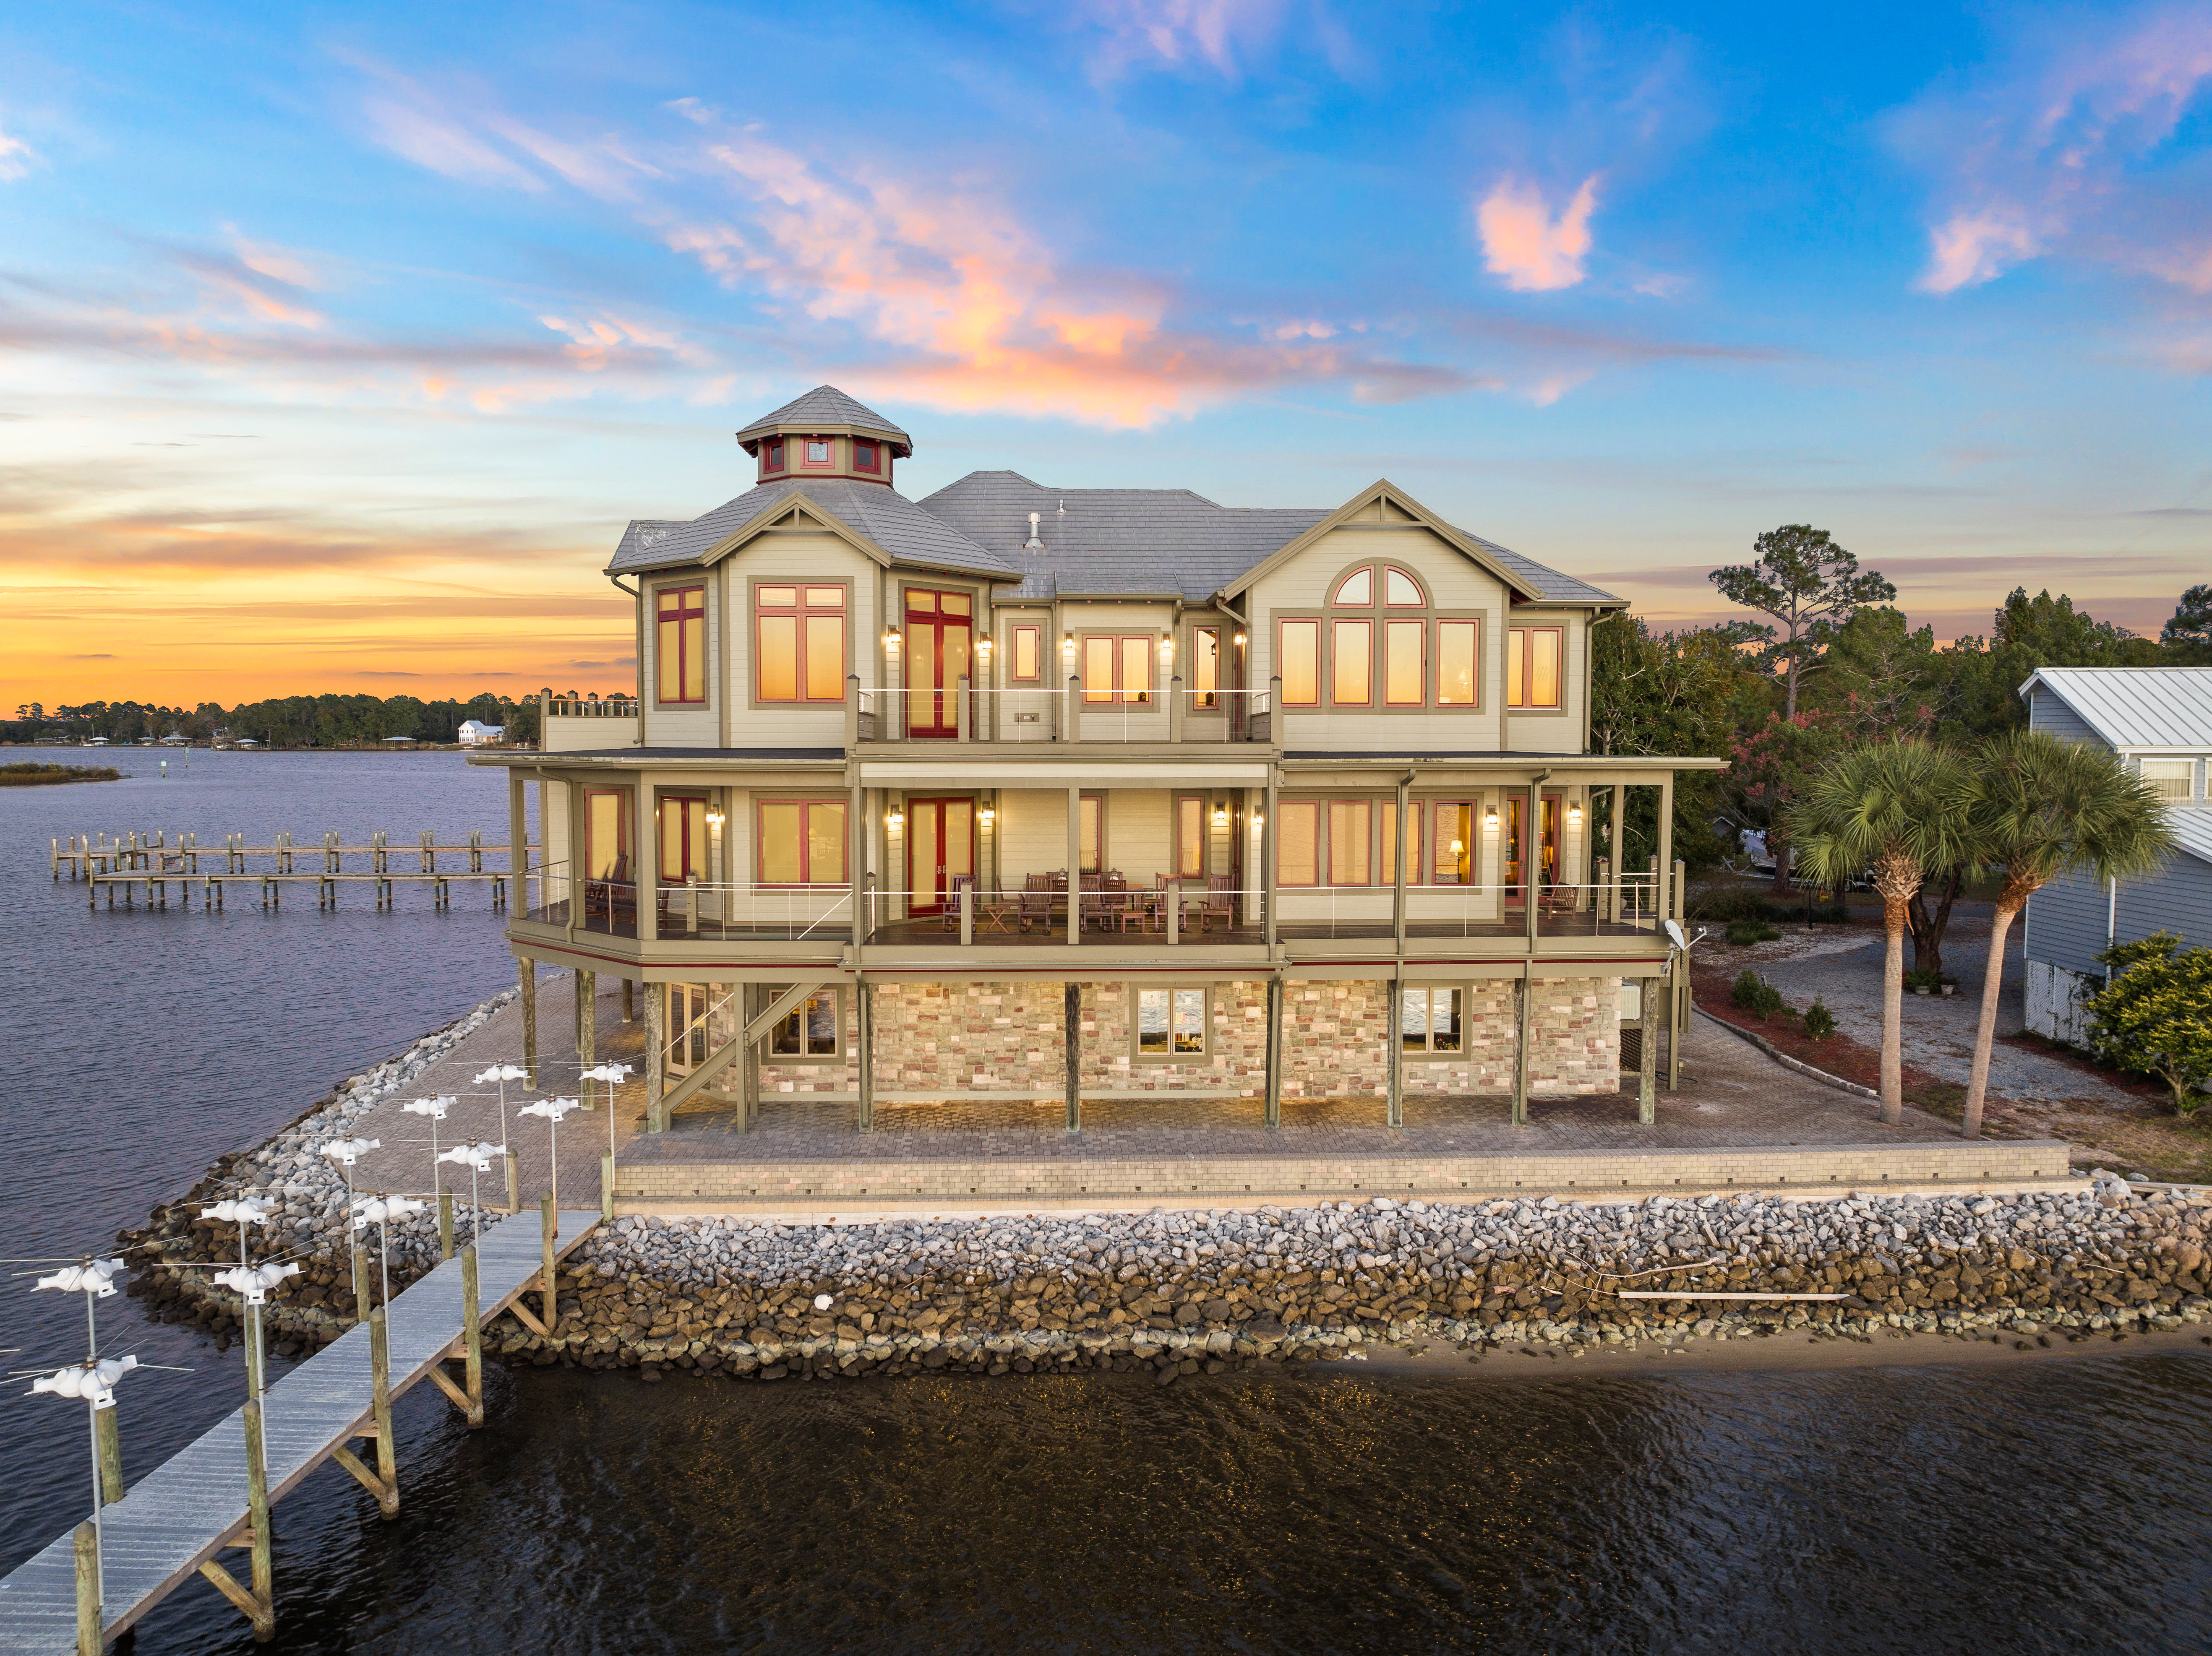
{"x": 1155, "y": 540}
{"x": 874, "y": 511}
{"x": 2136, "y": 706}
{"x": 825, "y": 408}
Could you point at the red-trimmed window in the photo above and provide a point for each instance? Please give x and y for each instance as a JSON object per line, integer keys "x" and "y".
{"x": 799, "y": 643}
{"x": 1205, "y": 668}
{"x": 1405, "y": 663}
{"x": 1028, "y": 655}
{"x": 1459, "y": 664}
{"x": 864, "y": 456}
{"x": 683, "y": 838}
{"x": 1190, "y": 837}
{"x": 1352, "y": 842}
{"x": 680, "y": 642}
{"x": 1532, "y": 656}
{"x": 1351, "y": 663}
{"x": 802, "y": 842}
{"x": 772, "y": 452}
{"x": 817, "y": 453}
{"x": 1453, "y": 860}
{"x": 1297, "y": 849}
{"x": 1117, "y": 667}
{"x": 1401, "y": 591}
{"x": 1298, "y": 662}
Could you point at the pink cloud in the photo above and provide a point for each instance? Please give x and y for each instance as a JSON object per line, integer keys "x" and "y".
{"x": 1972, "y": 248}
{"x": 1523, "y": 242}
{"x": 1224, "y": 36}
{"x": 15, "y": 157}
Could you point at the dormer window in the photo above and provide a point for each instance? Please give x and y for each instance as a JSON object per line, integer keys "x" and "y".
{"x": 816, "y": 451}
{"x": 772, "y": 453}
{"x": 864, "y": 456}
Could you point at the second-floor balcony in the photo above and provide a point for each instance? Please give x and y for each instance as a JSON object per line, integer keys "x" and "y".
{"x": 1067, "y": 712}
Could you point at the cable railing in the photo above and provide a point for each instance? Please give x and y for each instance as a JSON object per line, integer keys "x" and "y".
{"x": 1471, "y": 910}
{"x": 962, "y": 711}
{"x": 692, "y": 909}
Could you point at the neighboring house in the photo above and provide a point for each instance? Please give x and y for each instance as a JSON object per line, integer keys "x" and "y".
{"x": 476, "y": 734}
{"x": 2159, "y": 720}
{"x": 879, "y": 739}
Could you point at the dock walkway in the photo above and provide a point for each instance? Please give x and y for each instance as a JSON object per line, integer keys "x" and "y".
{"x": 194, "y": 1503}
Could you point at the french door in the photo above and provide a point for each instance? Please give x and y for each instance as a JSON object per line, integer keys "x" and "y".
{"x": 686, "y": 1027}
{"x": 1515, "y": 848}
{"x": 939, "y": 638}
{"x": 940, "y": 840}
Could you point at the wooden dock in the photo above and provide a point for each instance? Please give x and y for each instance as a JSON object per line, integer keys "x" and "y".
{"x": 136, "y": 865}
{"x": 186, "y": 1512}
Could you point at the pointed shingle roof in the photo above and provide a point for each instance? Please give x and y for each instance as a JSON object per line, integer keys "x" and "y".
{"x": 826, "y": 409}
{"x": 881, "y": 515}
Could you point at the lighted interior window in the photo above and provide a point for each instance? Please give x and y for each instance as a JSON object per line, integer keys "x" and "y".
{"x": 1429, "y": 1019}
{"x": 799, "y": 643}
{"x": 811, "y": 1031}
{"x": 802, "y": 841}
{"x": 1532, "y": 666}
{"x": 1350, "y": 648}
{"x": 1402, "y": 664}
{"x": 1457, "y": 658}
{"x": 1452, "y": 862}
{"x": 1400, "y": 588}
{"x": 1206, "y": 667}
{"x": 1350, "y": 837}
{"x": 2170, "y": 779}
{"x": 684, "y": 838}
{"x": 680, "y": 643}
{"x": 1356, "y": 588}
{"x": 1301, "y": 664}
{"x": 1190, "y": 837}
{"x": 1299, "y": 849}
{"x": 1028, "y": 654}
{"x": 1118, "y": 669}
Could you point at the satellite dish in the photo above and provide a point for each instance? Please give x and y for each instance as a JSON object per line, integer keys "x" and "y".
{"x": 1674, "y": 936}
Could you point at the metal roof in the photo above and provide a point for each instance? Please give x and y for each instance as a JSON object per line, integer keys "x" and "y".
{"x": 875, "y": 511}
{"x": 2192, "y": 831}
{"x": 825, "y": 408}
{"x": 2136, "y": 707}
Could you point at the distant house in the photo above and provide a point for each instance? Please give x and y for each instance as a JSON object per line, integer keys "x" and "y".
{"x": 2159, "y": 720}
{"x": 398, "y": 741}
{"x": 476, "y": 734}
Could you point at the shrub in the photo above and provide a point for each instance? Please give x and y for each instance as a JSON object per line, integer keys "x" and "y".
{"x": 2155, "y": 1017}
{"x": 1755, "y": 995}
{"x": 1820, "y": 1022}
{"x": 1745, "y": 931}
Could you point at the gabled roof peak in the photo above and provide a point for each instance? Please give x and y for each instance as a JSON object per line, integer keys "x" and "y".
{"x": 824, "y": 410}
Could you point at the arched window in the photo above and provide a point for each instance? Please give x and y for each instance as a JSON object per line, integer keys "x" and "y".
{"x": 1379, "y": 643}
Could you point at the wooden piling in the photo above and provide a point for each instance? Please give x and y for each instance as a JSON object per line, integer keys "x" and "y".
{"x": 526, "y": 981}
{"x": 513, "y": 1183}
{"x": 379, "y": 1375}
{"x": 472, "y": 1336}
{"x": 551, "y": 1318}
{"x": 1647, "y": 1069}
{"x": 257, "y": 1506}
{"x": 110, "y": 1457}
{"x": 360, "y": 1281}
{"x": 607, "y": 1187}
{"x": 88, "y": 1628}
{"x": 445, "y": 1223}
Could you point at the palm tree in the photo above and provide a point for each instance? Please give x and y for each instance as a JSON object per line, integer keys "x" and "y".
{"x": 2042, "y": 808}
{"x": 1897, "y": 809}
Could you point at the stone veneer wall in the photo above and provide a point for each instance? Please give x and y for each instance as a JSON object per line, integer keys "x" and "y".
{"x": 966, "y": 1038}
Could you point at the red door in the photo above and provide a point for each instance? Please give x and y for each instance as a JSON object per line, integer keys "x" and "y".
{"x": 940, "y": 848}
{"x": 939, "y": 633}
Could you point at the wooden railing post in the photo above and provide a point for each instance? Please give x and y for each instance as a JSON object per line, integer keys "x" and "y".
{"x": 960, "y": 708}
{"x": 1175, "y": 708}
{"x": 360, "y": 1281}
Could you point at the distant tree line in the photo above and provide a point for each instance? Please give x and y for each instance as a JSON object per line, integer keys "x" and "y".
{"x": 292, "y": 721}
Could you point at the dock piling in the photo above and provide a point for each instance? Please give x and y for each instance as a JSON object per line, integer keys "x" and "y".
{"x": 379, "y": 1375}
{"x": 445, "y": 1223}
{"x": 472, "y": 1336}
{"x": 88, "y": 1628}
{"x": 110, "y": 1457}
{"x": 551, "y": 1220}
{"x": 361, "y": 1295}
{"x": 257, "y": 1504}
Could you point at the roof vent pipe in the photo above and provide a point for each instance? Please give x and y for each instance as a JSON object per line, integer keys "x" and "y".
{"x": 1033, "y": 545}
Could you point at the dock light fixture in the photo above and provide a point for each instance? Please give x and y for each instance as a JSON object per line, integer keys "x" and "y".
{"x": 436, "y": 1108}
{"x": 478, "y": 1159}
{"x": 610, "y": 1073}
{"x": 502, "y": 1073}
{"x": 552, "y": 1109}
{"x": 93, "y": 1380}
{"x": 347, "y": 1151}
{"x": 380, "y": 1212}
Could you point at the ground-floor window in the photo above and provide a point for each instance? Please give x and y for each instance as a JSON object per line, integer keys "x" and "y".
{"x": 686, "y": 1026}
{"x": 1428, "y": 1019}
{"x": 814, "y": 1029}
{"x": 1173, "y": 1025}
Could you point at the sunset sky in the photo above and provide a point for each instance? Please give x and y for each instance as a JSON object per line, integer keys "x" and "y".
{"x": 338, "y": 343}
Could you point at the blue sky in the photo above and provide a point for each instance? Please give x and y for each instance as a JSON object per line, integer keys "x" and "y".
{"x": 337, "y": 344}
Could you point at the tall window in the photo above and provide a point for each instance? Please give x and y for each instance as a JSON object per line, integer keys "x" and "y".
{"x": 683, "y": 837}
{"x": 1028, "y": 654}
{"x": 1299, "y": 664}
{"x": 802, "y": 842}
{"x": 1453, "y": 860}
{"x": 1206, "y": 667}
{"x": 607, "y": 833}
{"x": 1351, "y": 841}
{"x": 1297, "y": 842}
{"x": 1171, "y": 1023}
{"x": 1429, "y": 1019}
{"x": 1532, "y": 666}
{"x": 1405, "y": 672}
{"x": 1459, "y": 656}
{"x": 680, "y": 642}
{"x": 1351, "y": 649}
{"x": 1386, "y": 823}
{"x": 1117, "y": 668}
{"x": 1091, "y": 841}
{"x": 811, "y": 1029}
{"x": 799, "y": 643}
{"x": 1190, "y": 837}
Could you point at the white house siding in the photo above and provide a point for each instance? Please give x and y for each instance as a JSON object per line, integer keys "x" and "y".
{"x": 797, "y": 557}
{"x": 1456, "y": 585}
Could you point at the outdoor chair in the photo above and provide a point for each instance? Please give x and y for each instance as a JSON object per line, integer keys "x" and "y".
{"x": 960, "y": 883}
{"x": 1220, "y": 899}
{"x": 1034, "y": 902}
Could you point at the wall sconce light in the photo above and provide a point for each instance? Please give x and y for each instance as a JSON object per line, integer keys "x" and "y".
{"x": 891, "y": 638}
{"x": 1490, "y": 819}
{"x": 1220, "y": 814}
{"x": 1259, "y": 820}
{"x": 1167, "y": 647}
{"x": 1575, "y": 816}
{"x": 895, "y": 821}
{"x": 986, "y": 816}
{"x": 715, "y": 819}
{"x": 1240, "y": 641}
{"x": 982, "y": 646}
{"x": 1068, "y": 643}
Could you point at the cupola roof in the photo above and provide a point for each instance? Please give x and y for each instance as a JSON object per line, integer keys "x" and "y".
{"x": 823, "y": 411}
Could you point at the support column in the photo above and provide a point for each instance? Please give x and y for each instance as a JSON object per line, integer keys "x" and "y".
{"x": 1526, "y": 1002}
{"x": 1613, "y": 852}
{"x": 749, "y": 1074}
{"x": 549, "y": 1282}
{"x": 856, "y": 854}
{"x": 1073, "y": 1048}
{"x": 90, "y": 1641}
{"x": 646, "y": 859}
{"x": 1647, "y": 1069}
{"x": 1275, "y": 1107}
{"x": 518, "y": 844}
{"x": 587, "y": 1008}
{"x": 1074, "y": 864}
{"x": 1396, "y": 1053}
{"x": 656, "y": 1057}
{"x": 864, "y": 1038}
{"x": 526, "y": 982}
{"x": 1398, "y": 874}
{"x": 1270, "y": 882}
{"x": 1667, "y": 837}
{"x": 630, "y": 1001}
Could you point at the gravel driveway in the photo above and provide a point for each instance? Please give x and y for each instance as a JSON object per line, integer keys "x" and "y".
{"x": 1938, "y": 1033}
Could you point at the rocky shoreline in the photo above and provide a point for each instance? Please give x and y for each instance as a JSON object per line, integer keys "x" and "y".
{"x": 1185, "y": 1291}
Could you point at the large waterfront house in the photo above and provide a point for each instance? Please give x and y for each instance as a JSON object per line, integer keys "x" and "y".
{"x": 2159, "y": 720}
{"x": 1053, "y": 794}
